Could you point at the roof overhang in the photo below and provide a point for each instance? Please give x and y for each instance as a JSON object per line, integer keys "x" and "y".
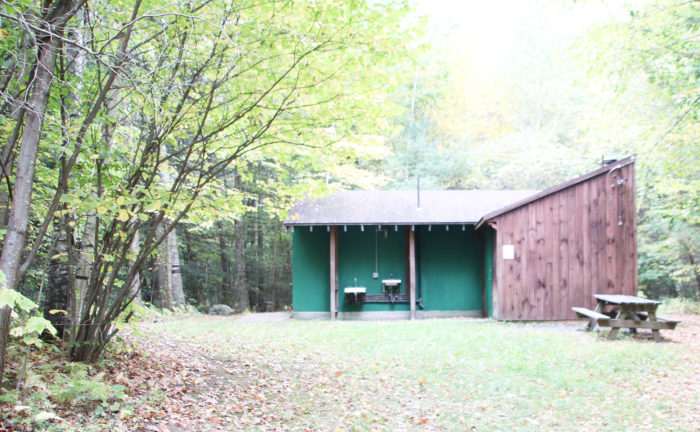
{"x": 441, "y": 207}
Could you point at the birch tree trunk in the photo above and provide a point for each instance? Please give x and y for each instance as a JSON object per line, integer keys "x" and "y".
{"x": 241, "y": 271}
{"x": 239, "y": 256}
{"x": 161, "y": 288}
{"x": 167, "y": 287}
{"x": 169, "y": 277}
{"x": 135, "y": 288}
{"x": 175, "y": 276}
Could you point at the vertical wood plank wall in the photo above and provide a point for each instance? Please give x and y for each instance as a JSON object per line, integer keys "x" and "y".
{"x": 568, "y": 246}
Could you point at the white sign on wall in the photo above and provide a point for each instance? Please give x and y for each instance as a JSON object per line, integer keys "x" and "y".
{"x": 508, "y": 252}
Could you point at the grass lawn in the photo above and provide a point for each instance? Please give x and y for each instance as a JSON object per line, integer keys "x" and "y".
{"x": 423, "y": 375}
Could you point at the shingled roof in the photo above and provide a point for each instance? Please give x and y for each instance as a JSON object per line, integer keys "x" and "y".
{"x": 400, "y": 207}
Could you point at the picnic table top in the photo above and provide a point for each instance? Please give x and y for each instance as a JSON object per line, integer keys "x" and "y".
{"x": 625, "y": 299}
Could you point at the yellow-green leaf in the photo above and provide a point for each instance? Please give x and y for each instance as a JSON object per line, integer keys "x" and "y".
{"x": 56, "y": 311}
{"x": 123, "y": 215}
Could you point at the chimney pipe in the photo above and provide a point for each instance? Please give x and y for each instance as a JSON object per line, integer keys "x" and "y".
{"x": 418, "y": 190}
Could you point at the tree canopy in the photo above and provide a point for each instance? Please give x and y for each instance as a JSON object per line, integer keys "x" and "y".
{"x": 126, "y": 119}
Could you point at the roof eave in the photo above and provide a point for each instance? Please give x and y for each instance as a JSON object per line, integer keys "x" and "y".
{"x": 292, "y": 223}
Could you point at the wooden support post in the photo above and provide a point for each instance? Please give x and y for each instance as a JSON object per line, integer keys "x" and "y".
{"x": 334, "y": 271}
{"x": 654, "y": 331}
{"x": 412, "y": 271}
{"x": 594, "y": 321}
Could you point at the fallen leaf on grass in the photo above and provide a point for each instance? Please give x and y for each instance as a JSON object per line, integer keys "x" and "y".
{"x": 45, "y": 416}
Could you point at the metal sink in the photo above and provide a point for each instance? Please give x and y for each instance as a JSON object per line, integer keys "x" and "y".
{"x": 391, "y": 287}
{"x": 355, "y": 290}
{"x": 355, "y": 295}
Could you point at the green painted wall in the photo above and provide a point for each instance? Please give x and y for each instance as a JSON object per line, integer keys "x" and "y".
{"x": 356, "y": 259}
{"x": 450, "y": 268}
{"x": 311, "y": 270}
{"x": 488, "y": 234}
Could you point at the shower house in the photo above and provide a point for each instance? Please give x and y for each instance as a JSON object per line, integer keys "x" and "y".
{"x": 507, "y": 254}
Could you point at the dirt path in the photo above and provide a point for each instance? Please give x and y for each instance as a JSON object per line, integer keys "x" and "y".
{"x": 264, "y": 317}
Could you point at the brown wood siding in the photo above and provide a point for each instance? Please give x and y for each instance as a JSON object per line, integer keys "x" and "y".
{"x": 568, "y": 247}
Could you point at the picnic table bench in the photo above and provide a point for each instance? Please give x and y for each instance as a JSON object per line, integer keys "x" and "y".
{"x": 623, "y": 311}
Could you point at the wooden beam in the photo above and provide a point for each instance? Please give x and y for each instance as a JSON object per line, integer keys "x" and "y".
{"x": 628, "y": 323}
{"x": 334, "y": 271}
{"x": 412, "y": 271}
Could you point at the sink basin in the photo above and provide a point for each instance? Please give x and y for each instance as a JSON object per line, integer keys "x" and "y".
{"x": 391, "y": 281}
{"x": 355, "y": 290}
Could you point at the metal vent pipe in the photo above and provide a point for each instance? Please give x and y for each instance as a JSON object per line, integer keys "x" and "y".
{"x": 418, "y": 191}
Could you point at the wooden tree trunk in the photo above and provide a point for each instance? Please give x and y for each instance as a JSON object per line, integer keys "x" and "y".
{"x": 4, "y": 207}
{"x": 162, "y": 288}
{"x": 135, "y": 289}
{"x": 239, "y": 256}
{"x": 273, "y": 274}
{"x": 5, "y": 314}
{"x": 13, "y": 246}
{"x": 241, "y": 275}
{"x": 225, "y": 288}
{"x": 260, "y": 279}
{"x": 167, "y": 289}
{"x": 175, "y": 276}
{"x": 169, "y": 277}
{"x": 198, "y": 290}
{"x": 58, "y": 295}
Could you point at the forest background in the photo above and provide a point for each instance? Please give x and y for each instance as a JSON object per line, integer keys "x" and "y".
{"x": 151, "y": 150}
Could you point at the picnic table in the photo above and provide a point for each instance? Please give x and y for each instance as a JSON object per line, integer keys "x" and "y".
{"x": 624, "y": 311}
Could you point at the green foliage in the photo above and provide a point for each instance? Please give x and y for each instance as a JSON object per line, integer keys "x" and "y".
{"x": 27, "y": 327}
{"x": 78, "y": 388}
{"x": 74, "y": 386}
{"x": 651, "y": 56}
{"x": 14, "y": 299}
{"x": 165, "y": 112}
{"x": 679, "y": 305}
{"x": 31, "y": 329}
